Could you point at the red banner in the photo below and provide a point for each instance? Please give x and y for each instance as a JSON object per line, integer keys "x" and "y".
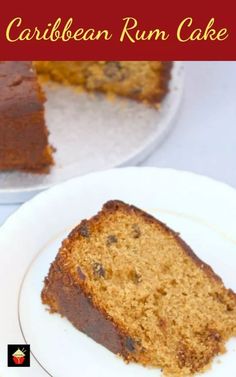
{"x": 205, "y": 30}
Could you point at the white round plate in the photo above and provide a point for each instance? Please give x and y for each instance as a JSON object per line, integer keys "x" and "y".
{"x": 203, "y": 210}
{"x": 91, "y": 133}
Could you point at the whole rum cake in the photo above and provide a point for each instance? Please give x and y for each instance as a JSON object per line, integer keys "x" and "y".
{"x": 133, "y": 285}
{"x": 23, "y": 133}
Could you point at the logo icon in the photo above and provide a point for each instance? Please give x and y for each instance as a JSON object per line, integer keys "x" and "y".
{"x": 18, "y": 355}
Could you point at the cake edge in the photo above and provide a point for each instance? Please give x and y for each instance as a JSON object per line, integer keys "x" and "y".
{"x": 41, "y": 160}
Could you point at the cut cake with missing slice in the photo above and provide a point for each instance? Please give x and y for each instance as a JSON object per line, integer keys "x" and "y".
{"x": 134, "y": 286}
{"x": 23, "y": 133}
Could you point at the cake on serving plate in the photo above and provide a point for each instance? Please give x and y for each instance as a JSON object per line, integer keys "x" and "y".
{"x": 23, "y": 134}
{"x": 133, "y": 285}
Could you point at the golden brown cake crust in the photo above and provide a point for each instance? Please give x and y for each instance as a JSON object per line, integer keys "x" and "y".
{"x": 69, "y": 296}
{"x": 23, "y": 134}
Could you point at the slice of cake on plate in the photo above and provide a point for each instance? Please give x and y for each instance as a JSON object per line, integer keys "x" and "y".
{"x": 133, "y": 285}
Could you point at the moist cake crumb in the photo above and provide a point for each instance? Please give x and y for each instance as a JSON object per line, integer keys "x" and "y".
{"x": 147, "y": 297}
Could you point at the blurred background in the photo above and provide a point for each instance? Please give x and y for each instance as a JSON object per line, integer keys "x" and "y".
{"x": 204, "y": 137}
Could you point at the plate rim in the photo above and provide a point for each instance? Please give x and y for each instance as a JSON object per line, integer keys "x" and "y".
{"x": 208, "y": 179}
{"x": 15, "y": 216}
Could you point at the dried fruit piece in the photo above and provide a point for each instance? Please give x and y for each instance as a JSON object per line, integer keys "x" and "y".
{"x": 111, "y": 239}
{"x": 137, "y": 277}
{"x": 136, "y": 232}
{"x": 113, "y": 70}
{"x": 84, "y": 230}
{"x": 130, "y": 344}
{"x": 82, "y": 276}
{"x": 98, "y": 270}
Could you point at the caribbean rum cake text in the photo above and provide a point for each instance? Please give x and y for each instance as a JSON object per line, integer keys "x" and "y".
{"x": 131, "y": 31}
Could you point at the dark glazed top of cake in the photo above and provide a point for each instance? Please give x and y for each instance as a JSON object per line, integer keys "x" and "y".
{"x": 19, "y": 84}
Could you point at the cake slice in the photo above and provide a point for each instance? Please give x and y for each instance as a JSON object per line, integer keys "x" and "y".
{"x": 23, "y": 134}
{"x": 132, "y": 284}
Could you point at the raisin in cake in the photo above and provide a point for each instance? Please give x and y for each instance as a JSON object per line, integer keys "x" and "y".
{"x": 134, "y": 286}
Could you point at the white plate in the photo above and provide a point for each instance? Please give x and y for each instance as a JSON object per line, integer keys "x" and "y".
{"x": 92, "y": 133}
{"x": 203, "y": 210}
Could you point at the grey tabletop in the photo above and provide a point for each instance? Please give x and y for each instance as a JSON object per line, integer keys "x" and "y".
{"x": 204, "y": 137}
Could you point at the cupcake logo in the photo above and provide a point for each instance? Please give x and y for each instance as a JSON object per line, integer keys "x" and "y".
{"x": 18, "y": 355}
